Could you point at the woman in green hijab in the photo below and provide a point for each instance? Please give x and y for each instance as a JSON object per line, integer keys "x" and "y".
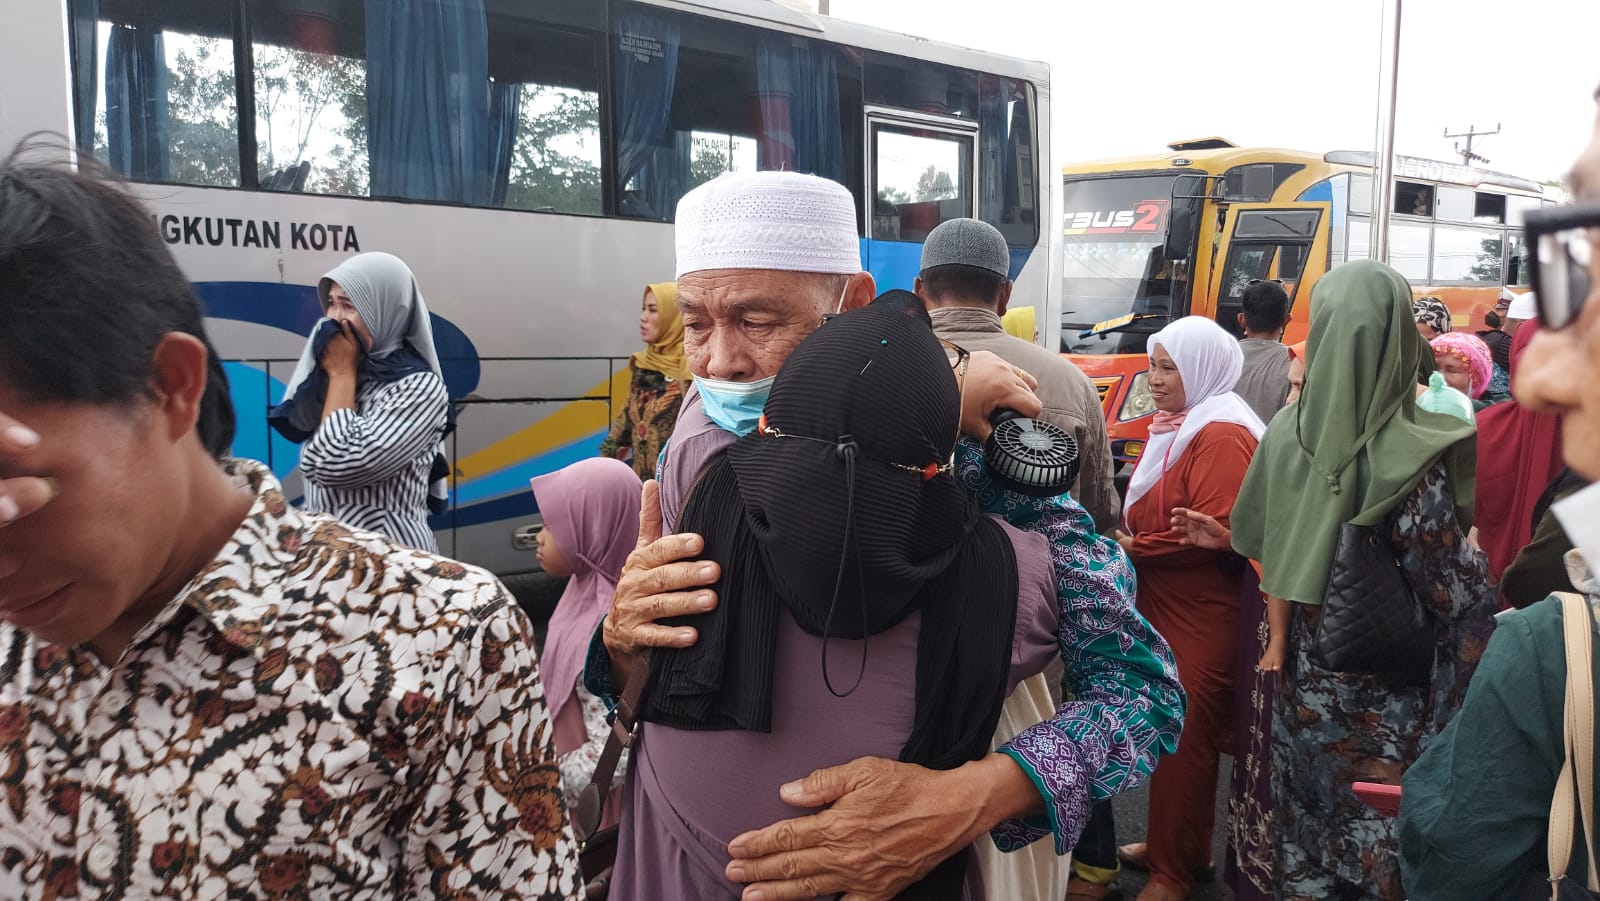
{"x": 1358, "y": 449}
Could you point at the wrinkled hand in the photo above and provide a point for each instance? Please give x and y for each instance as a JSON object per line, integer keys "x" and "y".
{"x": 889, "y": 825}
{"x": 343, "y": 353}
{"x": 993, "y": 384}
{"x": 658, "y": 582}
{"x": 1201, "y": 530}
{"x": 24, "y": 496}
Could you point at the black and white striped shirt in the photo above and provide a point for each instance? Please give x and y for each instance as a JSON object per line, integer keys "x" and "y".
{"x": 369, "y": 467}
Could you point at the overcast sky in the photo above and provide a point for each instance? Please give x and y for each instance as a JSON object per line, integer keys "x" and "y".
{"x": 1130, "y": 76}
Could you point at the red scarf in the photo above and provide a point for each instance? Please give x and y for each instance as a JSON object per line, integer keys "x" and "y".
{"x": 1519, "y": 453}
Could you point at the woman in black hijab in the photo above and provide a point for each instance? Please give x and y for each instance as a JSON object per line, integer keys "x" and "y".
{"x": 871, "y": 609}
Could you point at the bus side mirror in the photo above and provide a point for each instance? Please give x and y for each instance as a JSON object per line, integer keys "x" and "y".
{"x": 1180, "y": 238}
{"x": 1182, "y": 216}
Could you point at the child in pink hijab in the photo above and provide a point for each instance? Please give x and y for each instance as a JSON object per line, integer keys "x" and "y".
{"x": 591, "y": 523}
{"x": 1465, "y": 362}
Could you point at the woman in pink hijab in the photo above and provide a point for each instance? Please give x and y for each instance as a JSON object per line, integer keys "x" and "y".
{"x": 591, "y": 523}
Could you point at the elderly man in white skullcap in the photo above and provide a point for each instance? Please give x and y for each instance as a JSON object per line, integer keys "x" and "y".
{"x": 762, "y": 258}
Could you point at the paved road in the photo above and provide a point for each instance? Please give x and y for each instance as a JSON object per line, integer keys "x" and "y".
{"x": 1132, "y": 821}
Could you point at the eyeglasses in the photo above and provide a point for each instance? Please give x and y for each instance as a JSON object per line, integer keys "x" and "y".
{"x": 1261, "y": 281}
{"x": 1561, "y": 240}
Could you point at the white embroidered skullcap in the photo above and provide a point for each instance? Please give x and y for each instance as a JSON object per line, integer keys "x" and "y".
{"x": 1523, "y": 307}
{"x": 768, "y": 220}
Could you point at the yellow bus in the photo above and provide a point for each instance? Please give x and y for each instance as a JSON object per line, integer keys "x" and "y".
{"x": 1150, "y": 239}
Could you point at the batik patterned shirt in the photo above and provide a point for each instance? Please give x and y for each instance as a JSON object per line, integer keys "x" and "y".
{"x": 318, "y": 714}
{"x": 1124, "y": 706}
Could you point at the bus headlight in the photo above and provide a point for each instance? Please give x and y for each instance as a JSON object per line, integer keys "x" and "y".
{"x": 1139, "y": 401}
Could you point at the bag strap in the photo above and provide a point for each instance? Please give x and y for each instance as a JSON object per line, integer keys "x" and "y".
{"x": 624, "y": 729}
{"x": 1576, "y": 781}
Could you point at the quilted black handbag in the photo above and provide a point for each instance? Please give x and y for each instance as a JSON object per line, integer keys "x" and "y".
{"x": 1372, "y": 621}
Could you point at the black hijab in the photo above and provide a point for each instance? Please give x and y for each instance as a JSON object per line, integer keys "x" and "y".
{"x": 832, "y": 513}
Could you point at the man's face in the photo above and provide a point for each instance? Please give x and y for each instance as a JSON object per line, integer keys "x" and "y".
{"x": 70, "y": 570}
{"x": 739, "y": 325}
{"x": 1559, "y": 372}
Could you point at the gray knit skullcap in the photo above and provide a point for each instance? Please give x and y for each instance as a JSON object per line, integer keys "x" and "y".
{"x": 968, "y": 242}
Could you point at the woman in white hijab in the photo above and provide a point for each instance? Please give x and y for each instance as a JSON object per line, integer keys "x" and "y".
{"x": 369, "y": 401}
{"x": 1201, "y": 442}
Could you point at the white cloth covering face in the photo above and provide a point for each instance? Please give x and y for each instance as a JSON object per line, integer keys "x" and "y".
{"x": 384, "y": 292}
{"x": 1209, "y": 361}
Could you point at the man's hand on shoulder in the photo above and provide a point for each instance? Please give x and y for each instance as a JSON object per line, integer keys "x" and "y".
{"x": 659, "y": 581}
{"x": 887, "y": 824}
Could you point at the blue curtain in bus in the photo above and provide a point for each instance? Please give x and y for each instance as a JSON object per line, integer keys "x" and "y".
{"x": 505, "y": 102}
{"x": 428, "y": 100}
{"x": 994, "y": 121}
{"x": 648, "y": 166}
{"x": 136, "y": 103}
{"x": 85, "y": 20}
{"x": 798, "y": 84}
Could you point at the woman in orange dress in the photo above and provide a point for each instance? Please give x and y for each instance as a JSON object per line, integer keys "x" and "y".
{"x": 1201, "y": 442}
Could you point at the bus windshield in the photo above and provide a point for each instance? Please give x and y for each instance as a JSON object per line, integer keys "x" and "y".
{"x": 1113, "y": 262}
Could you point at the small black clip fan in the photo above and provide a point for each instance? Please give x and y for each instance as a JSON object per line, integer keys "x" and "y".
{"x": 1030, "y": 456}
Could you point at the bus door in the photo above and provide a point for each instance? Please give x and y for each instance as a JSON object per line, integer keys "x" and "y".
{"x": 1287, "y": 242}
{"x": 922, "y": 170}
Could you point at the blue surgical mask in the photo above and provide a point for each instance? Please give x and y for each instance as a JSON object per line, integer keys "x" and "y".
{"x": 735, "y": 406}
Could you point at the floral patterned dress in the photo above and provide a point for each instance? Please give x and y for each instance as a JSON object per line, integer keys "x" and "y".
{"x": 645, "y": 421}
{"x": 1332, "y": 729}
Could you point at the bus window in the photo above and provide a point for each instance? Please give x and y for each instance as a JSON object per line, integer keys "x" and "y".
{"x": 921, "y": 177}
{"x": 912, "y": 84}
{"x": 156, "y": 101}
{"x": 1517, "y": 261}
{"x": 677, "y": 76}
{"x": 1412, "y": 199}
{"x": 1359, "y": 241}
{"x": 1008, "y": 194}
{"x": 1456, "y": 204}
{"x": 1277, "y": 224}
{"x": 1466, "y": 255}
{"x": 1489, "y": 208}
{"x": 1408, "y": 249}
{"x": 1517, "y": 204}
{"x": 1339, "y": 218}
{"x": 497, "y": 108}
{"x": 1256, "y": 262}
{"x": 1360, "y": 194}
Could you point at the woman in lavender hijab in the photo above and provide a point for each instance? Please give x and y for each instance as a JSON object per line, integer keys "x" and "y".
{"x": 591, "y": 523}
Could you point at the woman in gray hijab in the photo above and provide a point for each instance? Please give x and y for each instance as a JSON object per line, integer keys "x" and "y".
{"x": 369, "y": 402}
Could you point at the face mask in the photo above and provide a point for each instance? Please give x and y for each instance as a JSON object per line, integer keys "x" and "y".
{"x": 1580, "y": 517}
{"x": 735, "y": 406}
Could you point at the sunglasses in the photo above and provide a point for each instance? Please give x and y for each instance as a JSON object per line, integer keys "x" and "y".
{"x": 1561, "y": 239}
{"x": 1262, "y": 281}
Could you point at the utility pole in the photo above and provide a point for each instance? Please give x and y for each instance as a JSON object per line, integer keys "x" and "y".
{"x": 1388, "y": 96}
{"x": 1467, "y": 156}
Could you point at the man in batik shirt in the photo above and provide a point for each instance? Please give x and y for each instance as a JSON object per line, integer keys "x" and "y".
{"x": 203, "y": 693}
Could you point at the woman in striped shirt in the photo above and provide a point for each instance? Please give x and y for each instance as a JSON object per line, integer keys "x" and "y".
{"x": 369, "y": 402}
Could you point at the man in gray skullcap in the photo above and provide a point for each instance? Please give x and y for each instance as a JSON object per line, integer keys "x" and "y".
{"x": 965, "y": 284}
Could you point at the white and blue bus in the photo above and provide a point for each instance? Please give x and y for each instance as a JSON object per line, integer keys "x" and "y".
{"x": 525, "y": 158}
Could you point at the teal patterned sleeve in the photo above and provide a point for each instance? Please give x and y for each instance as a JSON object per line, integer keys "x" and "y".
{"x": 1124, "y": 706}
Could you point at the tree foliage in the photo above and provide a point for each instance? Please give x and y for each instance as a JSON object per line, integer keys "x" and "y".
{"x": 555, "y": 162}
{"x": 312, "y": 108}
